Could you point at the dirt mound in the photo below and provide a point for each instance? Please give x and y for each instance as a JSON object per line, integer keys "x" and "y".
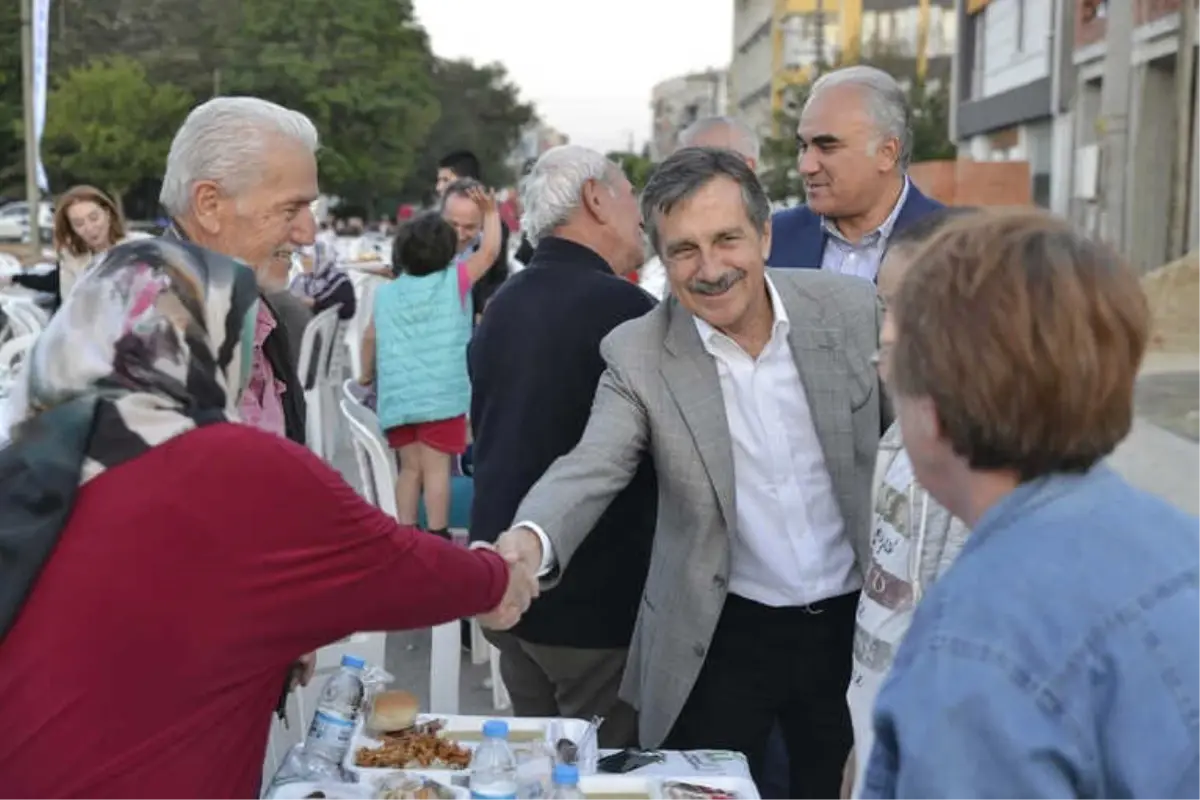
{"x": 1174, "y": 294}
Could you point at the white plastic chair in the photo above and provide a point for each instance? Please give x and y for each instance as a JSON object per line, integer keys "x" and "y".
{"x": 377, "y": 469}
{"x": 9, "y": 264}
{"x": 365, "y": 286}
{"x": 13, "y": 352}
{"x": 313, "y": 369}
{"x": 24, "y": 317}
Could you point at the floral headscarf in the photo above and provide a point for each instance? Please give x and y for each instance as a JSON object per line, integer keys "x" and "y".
{"x": 153, "y": 342}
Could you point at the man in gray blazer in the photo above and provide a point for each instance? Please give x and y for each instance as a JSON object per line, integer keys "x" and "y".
{"x": 754, "y": 393}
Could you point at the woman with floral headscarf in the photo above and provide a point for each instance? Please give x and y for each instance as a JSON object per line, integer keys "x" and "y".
{"x": 160, "y": 568}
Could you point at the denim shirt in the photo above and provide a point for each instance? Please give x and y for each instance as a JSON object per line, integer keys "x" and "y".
{"x": 1058, "y": 657}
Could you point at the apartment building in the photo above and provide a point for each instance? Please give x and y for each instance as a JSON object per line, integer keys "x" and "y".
{"x": 1005, "y": 91}
{"x": 1153, "y": 127}
{"x": 678, "y": 102}
{"x": 779, "y": 43}
{"x": 536, "y": 138}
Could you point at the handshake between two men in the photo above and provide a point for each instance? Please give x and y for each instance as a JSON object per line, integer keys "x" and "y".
{"x": 522, "y": 549}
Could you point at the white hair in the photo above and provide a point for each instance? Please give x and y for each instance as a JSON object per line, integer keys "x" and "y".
{"x": 224, "y": 140}
{"x": 885, "y": 100}
{"x": 553, "y": 189}
{"x": 744, "y": 141}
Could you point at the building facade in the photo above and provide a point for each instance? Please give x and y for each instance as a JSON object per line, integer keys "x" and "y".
{"x": 536, "y": 138}
{"x": 678, "y": 102}
{"x": 781, "y": 43}
{"x": 1153, "y": 128}
{"x": 1004, "y": 87}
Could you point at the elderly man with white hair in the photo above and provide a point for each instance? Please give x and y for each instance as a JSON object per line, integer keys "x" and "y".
{"x": 856, "y": 142}
{"x": 535, "y": 364}
{"x": 241, "y": 178}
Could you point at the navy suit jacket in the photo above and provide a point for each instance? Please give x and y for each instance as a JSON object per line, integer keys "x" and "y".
{"x": 798, "y": 238}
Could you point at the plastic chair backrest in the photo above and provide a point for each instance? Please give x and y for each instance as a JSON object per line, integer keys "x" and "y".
{"x": 315, "y": 345}
{"x": 24, "y": 318}
{"x": 356, "y": 327}
{"x": 377, "y": 467}
{"x": 14, "y": 350}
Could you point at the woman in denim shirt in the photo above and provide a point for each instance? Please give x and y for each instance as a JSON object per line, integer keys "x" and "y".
{"x": 1060, "y": 655}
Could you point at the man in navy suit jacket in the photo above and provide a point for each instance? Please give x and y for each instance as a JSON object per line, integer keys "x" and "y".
{"x": 855, "y": 144}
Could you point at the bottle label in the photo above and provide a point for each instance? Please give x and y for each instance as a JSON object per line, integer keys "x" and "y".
{"x": 330, "y": 729}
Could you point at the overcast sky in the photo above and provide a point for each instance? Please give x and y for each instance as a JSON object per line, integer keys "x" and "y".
{"x": 587, "y": 66}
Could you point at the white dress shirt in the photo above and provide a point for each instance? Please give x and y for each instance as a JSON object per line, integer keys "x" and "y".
{"x": 790, "y": 547}
{"x": 861, "y": 258}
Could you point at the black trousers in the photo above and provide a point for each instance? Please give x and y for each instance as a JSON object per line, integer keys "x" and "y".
{"x": 767, "y": 665}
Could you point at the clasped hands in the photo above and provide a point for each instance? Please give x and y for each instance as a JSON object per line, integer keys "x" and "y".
{"x": 522, "y": 550}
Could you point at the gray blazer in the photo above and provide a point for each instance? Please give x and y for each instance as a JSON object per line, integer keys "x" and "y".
{"x": 661, "y": 393}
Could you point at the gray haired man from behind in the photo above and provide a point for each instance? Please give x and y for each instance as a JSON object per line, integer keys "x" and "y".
{"x": 535, "y": 362}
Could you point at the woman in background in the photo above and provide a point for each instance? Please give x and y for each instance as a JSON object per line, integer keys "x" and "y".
{"x": 86, "y": 224}
{"x": 322, "y": 285}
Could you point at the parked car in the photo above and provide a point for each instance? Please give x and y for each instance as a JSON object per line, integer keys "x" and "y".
{"x": 14, "y": 221}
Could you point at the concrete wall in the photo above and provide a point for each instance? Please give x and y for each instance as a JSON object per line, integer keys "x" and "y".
{"x": 974, "y": 183}
{"x": 751, "y": 66}
{"x": 1152, "y": 147}
{"x": 678, "y": 102}
{"x": 1016, "y": 44}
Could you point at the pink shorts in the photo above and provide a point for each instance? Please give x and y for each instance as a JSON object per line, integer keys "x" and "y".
{"x": 443, "y": 435}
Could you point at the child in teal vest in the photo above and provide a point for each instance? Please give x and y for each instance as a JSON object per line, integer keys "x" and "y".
{"x": 416, "y": 350}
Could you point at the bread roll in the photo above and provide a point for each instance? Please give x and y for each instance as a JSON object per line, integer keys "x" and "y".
{"x": 393, "y": 711}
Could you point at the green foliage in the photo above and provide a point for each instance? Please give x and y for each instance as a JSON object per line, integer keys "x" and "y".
{"x": 637, "y": 167}
{"x": 12, "y": 139}
{"x": 359, "y": 68}
{"x": 480, "y": 111}
{"x": 363, "y": 70}
{"x": 108, "y": 125}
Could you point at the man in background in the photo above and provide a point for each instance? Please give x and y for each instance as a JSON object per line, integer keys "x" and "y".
{"x": 456, "y": 166}
{"x": 535, "y": 363}
{"x": 728, "y": 133}
{"x": 856, "y": 140}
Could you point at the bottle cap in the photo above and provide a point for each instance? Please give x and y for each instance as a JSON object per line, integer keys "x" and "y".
{"x": 495, "y": 729}
{"x": 354, "y": 662}
{"x": 566, "y": 774}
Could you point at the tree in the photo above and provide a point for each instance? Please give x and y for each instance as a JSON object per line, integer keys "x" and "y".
{"x": 637, "y": 167}
{"x": 481, "y": 111}
{"x": 108, "y": 125}
{"x": 12, "y": 139}
{"x": 359, "y": 68}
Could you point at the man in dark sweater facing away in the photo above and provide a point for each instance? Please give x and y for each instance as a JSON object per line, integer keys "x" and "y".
{"x": 535, "y": 363}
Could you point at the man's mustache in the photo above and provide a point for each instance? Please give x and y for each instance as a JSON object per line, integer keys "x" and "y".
{"x": 717, "y": 286}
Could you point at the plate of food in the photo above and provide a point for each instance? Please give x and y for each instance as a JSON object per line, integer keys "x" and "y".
{"x": 396, "y": 737}
{"x": 397, "y": 786}
{"x": 708, "y": 787}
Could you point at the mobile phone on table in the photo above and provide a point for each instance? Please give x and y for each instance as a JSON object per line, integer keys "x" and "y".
{"x": 627, "y": 760}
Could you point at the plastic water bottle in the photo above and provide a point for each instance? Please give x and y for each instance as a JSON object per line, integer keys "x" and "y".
{"x": 566, "y": 783}
{"x": 493, "y": 768}
{"x": 338, "y": 710}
